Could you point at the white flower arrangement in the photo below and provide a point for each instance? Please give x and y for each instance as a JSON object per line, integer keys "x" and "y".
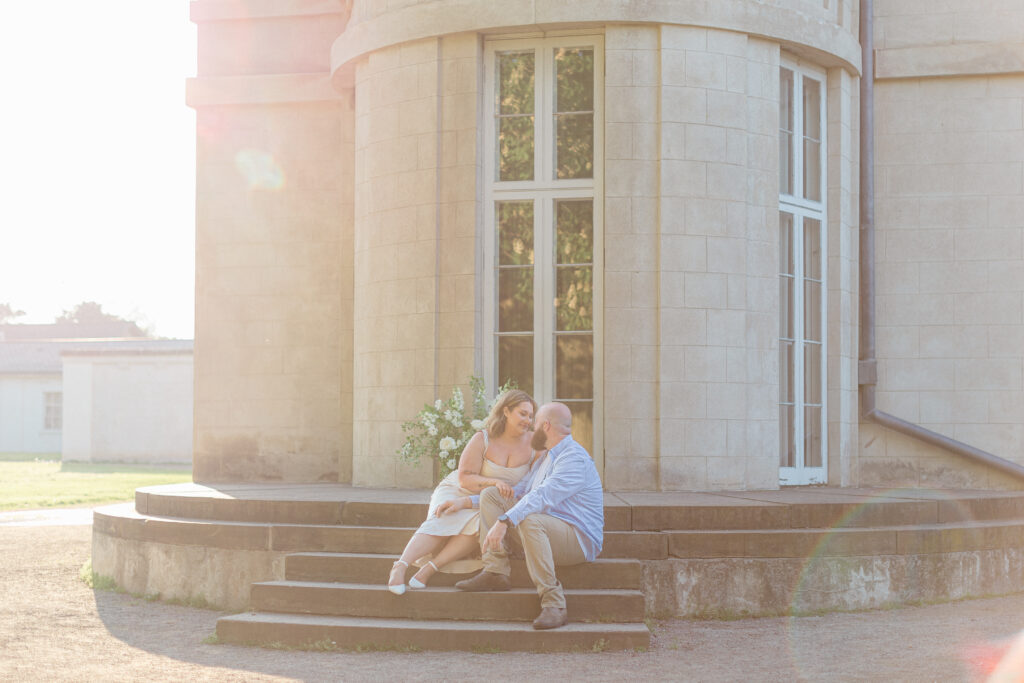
{"x": 442, "y": 429}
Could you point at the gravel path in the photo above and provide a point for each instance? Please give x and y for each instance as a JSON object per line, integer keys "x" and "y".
{"x": 54, "y": 628}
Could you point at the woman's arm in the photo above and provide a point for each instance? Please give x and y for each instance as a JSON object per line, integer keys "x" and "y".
{"x": 471, "y": 462}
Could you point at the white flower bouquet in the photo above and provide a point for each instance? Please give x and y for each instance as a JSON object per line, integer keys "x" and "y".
{"x": 443, "y": 429}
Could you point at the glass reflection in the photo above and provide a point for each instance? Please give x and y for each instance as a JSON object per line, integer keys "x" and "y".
{"x": 574, "y": 366}
{"x": 812, "y": 248}
{"x": 515, "y": 361}
{"x": 515, "y": 148}
{"x": 515, "y": 299}
{"x": 812, "y": 436}
{"x": 812, "y": 139}
{"x": 574, "y": 299}
{"x": 574, "y": 113}
{"x": 574, "y": 228}
{"x": 515, "y": 233}
{"x": 583, "y": 423}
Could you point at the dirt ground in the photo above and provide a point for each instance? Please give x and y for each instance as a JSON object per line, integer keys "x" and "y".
{"x": 54, "y": 628}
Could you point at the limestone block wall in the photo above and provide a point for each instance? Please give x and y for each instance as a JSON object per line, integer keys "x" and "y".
{"x": 415, "y": 243}
{"x": 273, "y": 348}
{"x": 950, "y": 246}
{"x": 691, "y": 260}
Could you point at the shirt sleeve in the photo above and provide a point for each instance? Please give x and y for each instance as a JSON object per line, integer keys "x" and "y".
{"x": 567, "y": 477}
{"x": 475, "y": 500}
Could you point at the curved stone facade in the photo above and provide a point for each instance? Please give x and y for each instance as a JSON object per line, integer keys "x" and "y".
{"x": 345, "y": 206}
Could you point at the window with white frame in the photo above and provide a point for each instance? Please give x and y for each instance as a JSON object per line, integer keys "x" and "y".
{"x": 53, "y": 407}
{"x": 542, "y": 242}
{"x": 802, "y": 263}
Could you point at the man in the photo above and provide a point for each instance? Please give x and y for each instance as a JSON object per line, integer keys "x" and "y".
{"x": 557, "y": 513}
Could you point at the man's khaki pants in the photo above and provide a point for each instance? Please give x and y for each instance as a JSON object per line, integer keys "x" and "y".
{"x": 547, "y": 542}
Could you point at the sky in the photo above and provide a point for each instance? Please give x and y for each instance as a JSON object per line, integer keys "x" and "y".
{"x": 98, "y": 155}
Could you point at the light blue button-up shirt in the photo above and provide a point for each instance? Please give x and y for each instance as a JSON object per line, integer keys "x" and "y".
{"x": 571, "y": 491}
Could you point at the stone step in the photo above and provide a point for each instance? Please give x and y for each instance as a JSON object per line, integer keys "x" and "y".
{"x": 372, "y": 568}
{"x": 374, "y": 600}
{"x": 642, "y": 511}
{"x": 360, "y": 633}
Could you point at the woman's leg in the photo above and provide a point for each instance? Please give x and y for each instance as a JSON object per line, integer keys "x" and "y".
{"x": 457, "y": 547}
{"x": 418, "y": 546}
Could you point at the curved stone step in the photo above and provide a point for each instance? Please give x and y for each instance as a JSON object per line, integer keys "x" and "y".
{"x": 372, "y": 568}
{"x": 374, "y": 600}
{"x": 356, "y": 633}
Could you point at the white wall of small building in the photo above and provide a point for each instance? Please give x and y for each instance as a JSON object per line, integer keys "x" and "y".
{"x": 23, "y": 413}
{"x": 128, "y": 408}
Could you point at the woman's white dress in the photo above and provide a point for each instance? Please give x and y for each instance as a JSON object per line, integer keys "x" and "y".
{"x": 463, "y": 521}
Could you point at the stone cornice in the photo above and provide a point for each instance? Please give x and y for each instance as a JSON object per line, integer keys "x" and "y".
{"x": 833, "y": 45}
{"x": 965, "y": 59}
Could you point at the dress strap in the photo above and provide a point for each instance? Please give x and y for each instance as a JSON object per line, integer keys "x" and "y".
{"x": 486, "y": 440}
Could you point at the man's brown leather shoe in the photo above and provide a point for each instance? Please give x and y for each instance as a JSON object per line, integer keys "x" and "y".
{"x": 551, "y": 617}
{"x": 485, "y": 581}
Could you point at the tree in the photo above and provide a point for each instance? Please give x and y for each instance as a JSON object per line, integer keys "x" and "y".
{"x": 92, "y": 313}
{"x": 7, "y": 314}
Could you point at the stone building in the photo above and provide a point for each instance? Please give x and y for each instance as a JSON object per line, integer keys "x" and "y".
{"x": 649, "y": 210}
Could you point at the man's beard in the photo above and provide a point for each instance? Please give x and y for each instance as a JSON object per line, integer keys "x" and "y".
{"x": 539, "y": 440}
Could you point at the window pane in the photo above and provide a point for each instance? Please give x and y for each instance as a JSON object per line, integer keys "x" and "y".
{"x": 583, "y": 423}
{"x": 812, "y": 170}
{"x": 812, "y": 139}
{"x": 812, "y": 437}
{"x": 515, "y": 299}
{"x": 574, "y": 366}
{"x": 787, "y": 448}
{"x": 786, "y": 243}
{"x": 812, "y": 374}
{"x": 574, "y": 113}
{"x": 516, "y": 82}
{"x": 812, "y": 248}
{"x": 574, "y": 72}
{"x": 515, "y": 148}
{"x": 515, "y": 233}
{"x": 574, "y": 299}
{"x": 574, "y": 231}
{"x": 812, "y": 310}
{"x": 786, "y": 312}
{"x": 785, "y": 131}
{"x": 515, "y": 361}
{"x": 812, "y": 109}
{"x": 787, "y": 372}
{"x": 575, "y": 146}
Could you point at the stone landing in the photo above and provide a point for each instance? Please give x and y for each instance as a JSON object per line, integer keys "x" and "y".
{"x": 308, "y": 562}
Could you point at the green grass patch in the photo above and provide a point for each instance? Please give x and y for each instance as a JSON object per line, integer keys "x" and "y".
{"x": 29, "y": 481}
{"x": 94, "y": 580}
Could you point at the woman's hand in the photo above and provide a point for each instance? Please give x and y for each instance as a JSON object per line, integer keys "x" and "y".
{"x": 505, "y": 490}
{"x": 450, "y": 506}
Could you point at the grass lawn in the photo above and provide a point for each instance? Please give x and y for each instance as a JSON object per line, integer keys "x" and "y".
{"x": 29, "y": 481}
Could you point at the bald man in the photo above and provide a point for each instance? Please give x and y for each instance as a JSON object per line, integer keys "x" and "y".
{"x": 557, "y": 513}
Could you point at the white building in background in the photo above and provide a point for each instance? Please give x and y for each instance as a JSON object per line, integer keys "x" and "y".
{"x": 30, "y": 397}
{"x": 128, "y": 402}
{"x": 97, "y": 400}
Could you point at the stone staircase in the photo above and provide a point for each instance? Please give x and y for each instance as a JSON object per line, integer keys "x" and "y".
{"x": 308, "y": 562}
{"x": 339, "y": 597}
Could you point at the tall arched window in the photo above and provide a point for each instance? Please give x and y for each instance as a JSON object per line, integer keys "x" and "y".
{"x": 542, "y": 209}
{"x": 802, "y": 267}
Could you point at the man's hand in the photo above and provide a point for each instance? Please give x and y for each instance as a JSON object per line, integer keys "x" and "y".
{"x": 495, "y": 536}
{"x": 450, "y": 506}
{"x": 506, "y": 491}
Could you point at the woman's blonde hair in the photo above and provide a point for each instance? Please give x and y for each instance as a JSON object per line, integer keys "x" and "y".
{"x": 496, "y": 421}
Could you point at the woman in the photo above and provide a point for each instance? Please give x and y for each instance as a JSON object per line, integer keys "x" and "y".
{"x": 499, "y": 455}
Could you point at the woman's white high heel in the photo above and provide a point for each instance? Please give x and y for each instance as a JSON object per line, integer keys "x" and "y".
{"x": 415, "y": 583}
{"x": 400, "y": 588}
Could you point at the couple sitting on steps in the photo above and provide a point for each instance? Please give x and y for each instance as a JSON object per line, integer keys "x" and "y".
{"x": 539, "y": 489}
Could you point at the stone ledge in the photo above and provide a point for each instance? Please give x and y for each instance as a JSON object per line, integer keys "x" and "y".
{"x": 233, "y": 10}
{"x": 973, "y": 59}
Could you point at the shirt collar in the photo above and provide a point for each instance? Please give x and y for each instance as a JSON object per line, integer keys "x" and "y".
{"x": 561, "y": 446}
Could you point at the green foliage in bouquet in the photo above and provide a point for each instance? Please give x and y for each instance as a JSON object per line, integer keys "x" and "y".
{"x": 443, "y": 429}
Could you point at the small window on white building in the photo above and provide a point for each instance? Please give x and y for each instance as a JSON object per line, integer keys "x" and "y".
{"x": 53, "y": 408}
{"x": 802, "y": 262}
{"x": 543, "y": 215}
